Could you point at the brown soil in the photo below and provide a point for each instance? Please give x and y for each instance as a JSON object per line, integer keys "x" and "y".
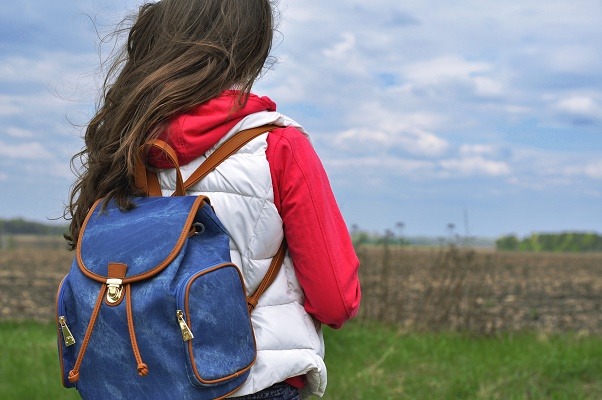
{"x": 29, "y": 279}
{"x": 480, "y": 292}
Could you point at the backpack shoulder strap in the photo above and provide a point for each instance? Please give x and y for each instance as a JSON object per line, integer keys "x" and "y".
{"x": 269, "y": 277}
{"x": 229, "y": 147}
{"x": 149, "y": 182}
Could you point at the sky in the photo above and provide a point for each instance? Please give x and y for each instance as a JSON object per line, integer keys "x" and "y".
{"x": 478, "y": 113}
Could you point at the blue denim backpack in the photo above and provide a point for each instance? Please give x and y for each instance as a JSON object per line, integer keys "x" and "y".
{"x": 153, "y": 307}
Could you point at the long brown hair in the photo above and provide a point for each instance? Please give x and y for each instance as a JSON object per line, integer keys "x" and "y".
{"x": 178, "y": 54}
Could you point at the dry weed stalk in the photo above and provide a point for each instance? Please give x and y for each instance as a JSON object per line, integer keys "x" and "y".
{"x": 454, "y": 295}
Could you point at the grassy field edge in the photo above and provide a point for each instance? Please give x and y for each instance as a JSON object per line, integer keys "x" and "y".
{"x": 375, "y": 362}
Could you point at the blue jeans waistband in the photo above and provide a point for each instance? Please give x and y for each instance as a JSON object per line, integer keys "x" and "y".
{"x": 279, "y": 391}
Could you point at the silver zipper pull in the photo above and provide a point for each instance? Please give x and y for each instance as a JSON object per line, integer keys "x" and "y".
{"x": 186, "y": 332}
{"x": 67, "y": 336}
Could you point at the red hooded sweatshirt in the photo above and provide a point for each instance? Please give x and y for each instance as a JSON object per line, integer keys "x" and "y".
{"x": 318, "y": 240}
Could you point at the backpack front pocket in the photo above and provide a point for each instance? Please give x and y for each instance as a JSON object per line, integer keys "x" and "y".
{"x": 216, "y": 328}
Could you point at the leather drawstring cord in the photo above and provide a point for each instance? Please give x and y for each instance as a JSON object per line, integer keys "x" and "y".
{"x": 74, "y": 373}
{"x": 142, "y": 367}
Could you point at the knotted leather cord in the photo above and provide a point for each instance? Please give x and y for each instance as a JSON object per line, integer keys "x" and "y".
{"x": 142, "y": 367}
{"x": 74, "y": 373}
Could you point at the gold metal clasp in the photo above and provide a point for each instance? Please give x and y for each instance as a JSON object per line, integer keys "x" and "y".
{"x": 186, "y": 332}
{"x": 114, "y": 290}
{"x": 67, "y": 336}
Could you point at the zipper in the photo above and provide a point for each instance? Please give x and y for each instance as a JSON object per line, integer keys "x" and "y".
{"x": 67, "y": 336}
{"x": 61, "y": 319}
{"x": 186, "y": 322}
{"x": 186, "y": 332}
{"x": 180, "y": 313}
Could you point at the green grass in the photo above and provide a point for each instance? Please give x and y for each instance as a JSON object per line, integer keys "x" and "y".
{"x": 29, "y": 366}
{"x": 382, "y": 363}
{"x": 374, "y": 363}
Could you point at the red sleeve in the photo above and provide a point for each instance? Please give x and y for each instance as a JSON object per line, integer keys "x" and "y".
{"x": 318, "y": 240}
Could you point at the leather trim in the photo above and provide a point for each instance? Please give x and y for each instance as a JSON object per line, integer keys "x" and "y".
{"x": 198, "y": 203}
{"x": 117, "y": 270}
{"x": 190, "y": 352}
{"x": 228, "y": 394}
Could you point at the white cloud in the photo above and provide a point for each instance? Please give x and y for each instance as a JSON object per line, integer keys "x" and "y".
{"x": 487, "y": 86}
{"x": 444, "y": 68}
{"x": 393, "y": 165}
{"x": 21, "y": 69}
{"x": 574, "y": 58}
{"x": 341, "y": 49}
{"x": 579, "y": 105}
{"x": 291, "y": 88}
{"x": 554, "y": 170}
{"x": 56, "y": 169}
{"x": 411, "y": 140}
{"x": 516, "y": 109}
{"x": 8, "y": 106}
{"x": 417, "y": 169}
{"x": 18, "y": 132}
{"x": 61, "y": 71}
{"x": 594, "y": 170}
{"x": 474, "y": 165}
{"x": 31, "y": 104}
{"x": 29, "y": 151}
{"x": 378, "y": 128}
{"x": 477, "y": 149}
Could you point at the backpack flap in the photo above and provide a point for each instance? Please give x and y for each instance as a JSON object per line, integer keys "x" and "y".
{"x": 146, "y": 239}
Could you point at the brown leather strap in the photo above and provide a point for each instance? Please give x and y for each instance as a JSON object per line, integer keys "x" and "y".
{"x": 148, "y": 181}
{"x": 74, "y": 373}
{"x": 225, "y": 150}
{"x": 269, "y": 277}
{"x": 141, "y": 367}
{"x": 229, "y": 147}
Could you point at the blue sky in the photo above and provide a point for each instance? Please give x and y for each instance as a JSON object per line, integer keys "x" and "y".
{"x": 422, "y": 112}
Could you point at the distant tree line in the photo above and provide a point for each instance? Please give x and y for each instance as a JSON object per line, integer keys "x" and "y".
{"x": 559, "y": 242}
{"x": 390, "y": 237}
{"x": 19, "y": 226}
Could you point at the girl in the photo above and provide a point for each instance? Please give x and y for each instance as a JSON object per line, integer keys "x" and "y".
{"x": 185, "y": 75}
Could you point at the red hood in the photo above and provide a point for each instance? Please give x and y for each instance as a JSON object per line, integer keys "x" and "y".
{"x": 193, "y": 133}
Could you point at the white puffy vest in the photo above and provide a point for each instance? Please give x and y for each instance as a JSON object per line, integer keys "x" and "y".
{"x": 289, "y": 341}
